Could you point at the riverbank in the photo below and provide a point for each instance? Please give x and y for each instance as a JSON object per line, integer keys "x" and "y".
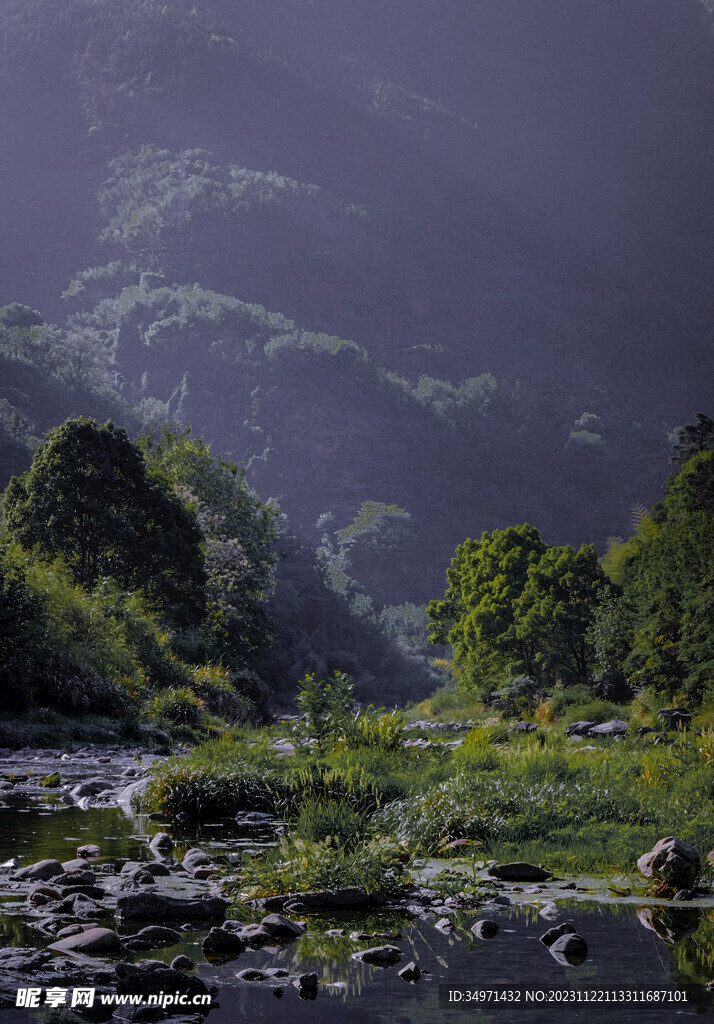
{"x": 159, "y": 889}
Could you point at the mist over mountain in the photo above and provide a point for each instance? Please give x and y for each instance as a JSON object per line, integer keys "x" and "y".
{"x": 452, "y": 258}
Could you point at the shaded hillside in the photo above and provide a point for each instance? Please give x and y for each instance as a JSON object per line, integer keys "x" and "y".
{"x": 453, "y": 257}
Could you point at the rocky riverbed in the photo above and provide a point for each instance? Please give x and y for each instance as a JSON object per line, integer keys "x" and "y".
{"x": 94, "y": 894}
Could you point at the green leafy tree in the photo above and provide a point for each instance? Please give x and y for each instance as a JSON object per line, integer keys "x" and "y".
{"x": 670, "y": 584}
{"x": 555, "y": 610}
{"x": 517, "y": 607}
{"x": 478, "y": 615}
{"x": 240, "y": 533}
{"x": 89, "y": 498}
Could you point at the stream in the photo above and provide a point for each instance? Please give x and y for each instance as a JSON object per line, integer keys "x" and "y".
{"x": 634, "y": 951}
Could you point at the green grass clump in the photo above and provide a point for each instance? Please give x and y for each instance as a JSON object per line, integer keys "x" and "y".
{"x": 52, "y": 781}
{"x": 319, "y": 820}
{"x": 299, "y": 865}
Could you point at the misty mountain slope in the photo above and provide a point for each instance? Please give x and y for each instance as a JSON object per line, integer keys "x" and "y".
{"x": 379, "y": 205}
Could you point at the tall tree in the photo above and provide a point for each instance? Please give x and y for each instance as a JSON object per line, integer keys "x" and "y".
{"x": 670, "y": 584}
{"x": 556, "y": 609}
{"x": 478, "y": 613}
{"x": 90, "y": 498}
{"x": 692, "y": 438}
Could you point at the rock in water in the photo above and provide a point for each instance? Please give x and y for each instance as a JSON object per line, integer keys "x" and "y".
{"x": 40, "y": 871}
{"x": 162, "y": 841}
{"x": 411, "y": 972}
{"x": 673, "y": 861}
{"x": 92, "y": 942}
{"x": 549, "y": 937}
{"x": 281, "y": 928}
{"x": 569, "y": 949}
{"x": 485, "y": 929}
{"x": 150, "y": 906}
{"x": 520, "y": 871}
{"x": 380, "y": 956}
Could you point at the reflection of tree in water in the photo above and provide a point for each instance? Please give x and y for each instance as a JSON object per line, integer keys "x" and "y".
{"x": 695, "y": 956}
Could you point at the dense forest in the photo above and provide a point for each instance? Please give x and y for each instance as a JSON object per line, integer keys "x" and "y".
{"x": 396, "y": 301}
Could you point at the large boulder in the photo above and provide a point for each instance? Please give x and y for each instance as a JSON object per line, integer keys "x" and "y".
{"x": 672, "y": 861}
{"x": 39, "y": 872}
{"x": 92, "y": 942}
{"x": 520, "y": 871}
{"x": 152, "y": 906}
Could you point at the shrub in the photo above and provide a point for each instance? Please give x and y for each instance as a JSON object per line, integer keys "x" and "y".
{"x": 562, "y": 697}
{"x": 178, "y": 707}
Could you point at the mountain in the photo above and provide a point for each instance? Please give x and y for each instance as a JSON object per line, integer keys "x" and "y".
{"x": 452, "y": 257}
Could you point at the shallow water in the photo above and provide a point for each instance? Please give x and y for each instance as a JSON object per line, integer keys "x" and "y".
{"x": 624, "y": 955}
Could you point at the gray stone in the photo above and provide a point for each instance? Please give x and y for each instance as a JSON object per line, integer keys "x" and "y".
{"x": 204, "y": 872}
{"x": 520, "y": 871}
{"x": 90, "y": 788}
{"x": 162, "y": 841}
{"x": 222, "y": 942}
{"x": 281, "y": 928}
{"x": 40, "y": 871}
{"x": 196, "y": 859}
{"x": 182, "y": 963}
{"x": 94, "y": 891}
{"x": 485, "y": 929}
{"x": 255, "y": 935}
{"x": 672, "y": 861}
{"x": 525, "y": 727}
{"x": 444, "y": 925}
{"x": 158, "y": 936}
{"x": 89, "y": 852}
{"x": 79, "y": 878}
{"x": 380, "y": 956}
{"x": 579, "y": 728}
{"x": 616, "y": 727}
{"x": 93, "y": 942}
{"x": 150, "y": 906}
{"x": 569, "y": 949}
{"x": 251, "y": 974}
